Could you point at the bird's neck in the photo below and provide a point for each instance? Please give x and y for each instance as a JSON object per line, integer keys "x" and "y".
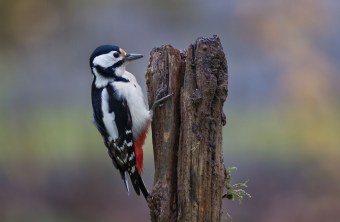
{"x": 102, "y": 76}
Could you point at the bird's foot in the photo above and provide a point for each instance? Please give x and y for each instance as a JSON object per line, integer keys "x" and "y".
{"x": 160, "y": 98}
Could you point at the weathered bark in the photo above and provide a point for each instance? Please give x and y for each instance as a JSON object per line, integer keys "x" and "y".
{"x": 187, "y": 131}
{"x": 165, "y": 67}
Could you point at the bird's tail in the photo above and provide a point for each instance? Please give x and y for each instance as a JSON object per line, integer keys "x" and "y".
{"x": 124, "y": 177}
{"x": 142, "y": 187}
{"x": 136, "y": 180}
{"x": 130, "y": 167}
{"x": 138, "y": 183}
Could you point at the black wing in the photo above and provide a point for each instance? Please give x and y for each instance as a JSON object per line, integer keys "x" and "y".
{"x": 122, "y": 150}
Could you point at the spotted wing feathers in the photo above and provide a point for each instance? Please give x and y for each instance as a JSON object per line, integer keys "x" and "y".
{"x": 122, "y": 149}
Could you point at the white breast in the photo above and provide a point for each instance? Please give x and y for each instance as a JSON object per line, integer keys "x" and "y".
{"x": 132, "y": 92}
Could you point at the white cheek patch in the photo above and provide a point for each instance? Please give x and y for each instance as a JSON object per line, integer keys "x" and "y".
{"x": 106, "y": 60}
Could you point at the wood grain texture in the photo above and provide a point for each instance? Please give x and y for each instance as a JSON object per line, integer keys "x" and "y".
{"x": 187, "y": 131}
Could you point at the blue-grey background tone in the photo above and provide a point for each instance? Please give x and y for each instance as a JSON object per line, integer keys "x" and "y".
{"x": 283, "y": 105}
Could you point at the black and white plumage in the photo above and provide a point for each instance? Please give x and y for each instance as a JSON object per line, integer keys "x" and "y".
{"x": 119, "y": 111}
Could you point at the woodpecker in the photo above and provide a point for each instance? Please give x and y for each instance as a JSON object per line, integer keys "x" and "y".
{"x": 120, "y": 113}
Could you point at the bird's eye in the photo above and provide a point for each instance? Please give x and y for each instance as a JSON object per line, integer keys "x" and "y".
{"x": 116, "y": 54}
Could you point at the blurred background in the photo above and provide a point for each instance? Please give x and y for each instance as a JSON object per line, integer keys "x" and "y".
{"x": 283, "y": 107}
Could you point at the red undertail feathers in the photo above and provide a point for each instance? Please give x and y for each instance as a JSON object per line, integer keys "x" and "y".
{"x": 139, "y": 142}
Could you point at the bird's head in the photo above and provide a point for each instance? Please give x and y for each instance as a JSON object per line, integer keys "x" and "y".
{"x": 109, "y": 61}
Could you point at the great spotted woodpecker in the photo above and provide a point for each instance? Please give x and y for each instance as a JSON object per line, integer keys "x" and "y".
{"x": 120, "y": 113}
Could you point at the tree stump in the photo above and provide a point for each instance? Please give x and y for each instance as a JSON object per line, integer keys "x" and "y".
{"x": 187, "y": 131}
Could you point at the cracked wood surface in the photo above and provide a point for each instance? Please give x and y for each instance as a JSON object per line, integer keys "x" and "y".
{"x": 187, "y": 131}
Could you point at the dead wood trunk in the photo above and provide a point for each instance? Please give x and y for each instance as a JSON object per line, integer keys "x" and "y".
{"x": 187, "y": 131}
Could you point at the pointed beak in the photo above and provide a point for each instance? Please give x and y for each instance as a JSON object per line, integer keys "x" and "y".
{"x": 132, "y": 56}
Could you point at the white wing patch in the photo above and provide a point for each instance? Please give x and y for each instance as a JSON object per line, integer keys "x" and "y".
{"x": 105, "y": 60}
{"x": 108, "y": 118}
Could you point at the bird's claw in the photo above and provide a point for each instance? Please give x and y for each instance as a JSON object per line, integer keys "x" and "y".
{"x": 160, "y": 98}
{"x": 160, "y": 92}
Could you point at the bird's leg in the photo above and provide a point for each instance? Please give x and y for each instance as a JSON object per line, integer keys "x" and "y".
{"x": 160, "y": 98}
{"x": 158, "y": 102}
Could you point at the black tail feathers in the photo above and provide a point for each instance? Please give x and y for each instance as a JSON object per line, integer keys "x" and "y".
{"x": 143, "y": 188}
{"x": 138, "y": 183}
